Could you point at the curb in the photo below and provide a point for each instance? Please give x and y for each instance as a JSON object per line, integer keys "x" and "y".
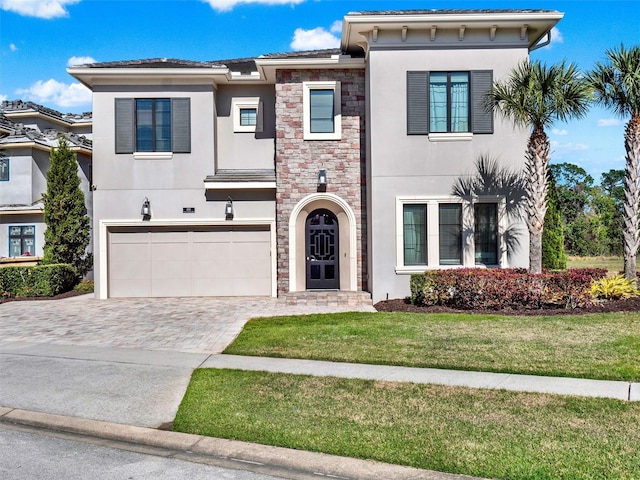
{"x": 245, "y": 456}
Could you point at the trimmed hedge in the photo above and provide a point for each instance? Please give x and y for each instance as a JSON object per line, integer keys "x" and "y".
{"x": 38, "y": 281}
{"x": 496, "y": 289}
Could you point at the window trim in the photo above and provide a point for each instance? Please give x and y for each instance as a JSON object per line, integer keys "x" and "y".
{"x": 240, "y": 103}
{"x": 8, "y": 162}
{"x": 337, "y": 110}
{"x": 9, "y": 237}
{"x": 433, "y": 232}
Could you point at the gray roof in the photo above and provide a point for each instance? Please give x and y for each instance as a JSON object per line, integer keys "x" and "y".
{"x": 19, "y": 133}
{"x": 232, "y": 175}
{"x": 154, "y": 63}
{"x": 19, "y": 106}
{"x": 446, "y": 12}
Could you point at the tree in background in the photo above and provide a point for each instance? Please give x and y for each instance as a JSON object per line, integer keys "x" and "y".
{"x": 553, "y": 254}
{"x": 67, "y": 235}
{"x": 592, "y": 214}
{"x": 616, "y": 85}
{"x": 536, "y": 96}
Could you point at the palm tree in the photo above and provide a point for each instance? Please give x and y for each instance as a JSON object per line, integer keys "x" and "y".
{"x": 536, "y": 96}
{"x": 616, "y": 85}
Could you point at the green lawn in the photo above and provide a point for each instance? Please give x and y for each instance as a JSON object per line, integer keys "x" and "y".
{"x": 599, "y": 346}
{"x": 491, "y": 434}
{"x": 612, "y": 264}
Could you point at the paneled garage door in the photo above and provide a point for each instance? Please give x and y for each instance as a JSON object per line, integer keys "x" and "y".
{"x": 194, "y": 261}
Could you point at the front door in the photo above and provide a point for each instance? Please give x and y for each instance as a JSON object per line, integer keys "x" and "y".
{"x": 322, "y": 250}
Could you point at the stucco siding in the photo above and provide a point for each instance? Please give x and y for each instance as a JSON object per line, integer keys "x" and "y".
{"x": 403, "y": 165}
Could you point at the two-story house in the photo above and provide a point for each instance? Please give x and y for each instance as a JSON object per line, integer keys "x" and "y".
{"x": 313, "y": 171}
{"x": 28, "y": 132}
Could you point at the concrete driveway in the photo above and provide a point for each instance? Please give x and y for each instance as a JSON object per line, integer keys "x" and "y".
{"x": 118, "y": 360}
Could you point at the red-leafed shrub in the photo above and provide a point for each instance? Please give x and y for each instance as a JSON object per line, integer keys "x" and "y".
{"x": 495, "y": 289}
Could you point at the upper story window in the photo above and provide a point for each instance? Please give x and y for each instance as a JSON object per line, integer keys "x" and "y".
{"x": 22, "y": 240}
{"x": 153, "y": 125}
{"x": 322, "y": 111}
{"x": 247, "y": 114}
{"x": 448, "y": 102}
{"x": 4, "y": 169}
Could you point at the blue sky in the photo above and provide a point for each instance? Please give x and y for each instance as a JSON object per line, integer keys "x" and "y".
{"x": 39, "y": 39}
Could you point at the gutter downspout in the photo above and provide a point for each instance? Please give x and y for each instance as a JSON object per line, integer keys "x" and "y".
{"x": 544, "y": 43}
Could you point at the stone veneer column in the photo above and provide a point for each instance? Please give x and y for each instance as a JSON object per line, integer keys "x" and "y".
{"x": 298, "y": 161}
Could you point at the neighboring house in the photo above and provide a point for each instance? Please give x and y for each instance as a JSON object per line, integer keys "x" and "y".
{"x": 325, "y": 170}
{"x": 28, "y": 132}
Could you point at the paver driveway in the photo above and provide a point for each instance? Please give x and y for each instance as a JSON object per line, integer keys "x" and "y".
{"x": 196, "y": 325}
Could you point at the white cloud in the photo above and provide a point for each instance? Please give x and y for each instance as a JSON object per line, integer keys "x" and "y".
{"x": 226, "y": 5}
{"x": 609, "y": 122}
{"x": 564, "y": 131}
{"x": 3, "y": 97}
{"x": 315, "y": 39}
{"x": 38, "y": 8}
{"x": 57, "y": 93}
{"x": 556, "y": 37}
{"x": 568, "y": 147}
{"x": 73, "y": 61}
{"x": 336, "y": 27}
{"x": 13, "y": 47}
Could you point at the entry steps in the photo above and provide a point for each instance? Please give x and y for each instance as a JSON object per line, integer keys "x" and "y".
{"x": 330, "y": 298}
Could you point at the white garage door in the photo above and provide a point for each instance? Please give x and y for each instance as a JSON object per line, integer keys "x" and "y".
{"x": 185, "y": 262}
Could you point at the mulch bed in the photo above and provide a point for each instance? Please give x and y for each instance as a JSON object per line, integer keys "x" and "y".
{"x": 626, "y": 305}
{"x": 72, "y": 293}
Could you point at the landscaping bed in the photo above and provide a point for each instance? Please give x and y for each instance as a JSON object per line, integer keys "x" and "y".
{"x": 606, "y": 306}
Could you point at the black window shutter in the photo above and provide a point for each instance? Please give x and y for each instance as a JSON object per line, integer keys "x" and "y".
{"x": 181, "y": 125}
{"x": 125, "y": 125}
{"x": 417, "y": 103}
{"x": 481, "y": 116}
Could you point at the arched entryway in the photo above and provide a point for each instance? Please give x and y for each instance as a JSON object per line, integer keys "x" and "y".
{"x": 328, "y": 206}
{"x": 322, "y": 237}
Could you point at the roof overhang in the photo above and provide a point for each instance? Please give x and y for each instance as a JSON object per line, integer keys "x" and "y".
{"x": 90, "y": 76}
{"x": 268, "y": 66}
{"x": 357, "y": 29}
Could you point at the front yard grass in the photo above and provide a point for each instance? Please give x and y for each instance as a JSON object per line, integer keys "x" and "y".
{"x": 486, "y": 433}
{"x": 598, "y": 346}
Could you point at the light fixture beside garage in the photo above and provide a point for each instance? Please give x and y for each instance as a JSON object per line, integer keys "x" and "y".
{"x": 228, "y": 210}
{"x": 146, "y": 209}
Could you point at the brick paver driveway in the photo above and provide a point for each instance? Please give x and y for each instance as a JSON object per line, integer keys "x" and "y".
{"x": 198, "y": 325}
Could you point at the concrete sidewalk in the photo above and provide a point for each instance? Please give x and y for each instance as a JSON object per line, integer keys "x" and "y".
{"x": 524, "y": 383}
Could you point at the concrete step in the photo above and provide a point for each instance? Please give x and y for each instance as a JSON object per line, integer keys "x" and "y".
{"x": 327, "y": 298}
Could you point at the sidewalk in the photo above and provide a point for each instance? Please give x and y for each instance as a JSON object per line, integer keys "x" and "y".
{"x": 114, "y": 405}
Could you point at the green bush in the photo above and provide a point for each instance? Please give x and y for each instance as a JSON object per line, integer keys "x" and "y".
{"x": 614, "y": 288}
{"x": 38, "y": 281}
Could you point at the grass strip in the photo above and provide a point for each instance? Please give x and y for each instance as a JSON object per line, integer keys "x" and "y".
{"x": 598, "y": 346}
{"x": 491, "y": 434}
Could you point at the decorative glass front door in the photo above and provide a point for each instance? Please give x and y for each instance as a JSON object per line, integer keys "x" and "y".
{"x": 322, "y": 250}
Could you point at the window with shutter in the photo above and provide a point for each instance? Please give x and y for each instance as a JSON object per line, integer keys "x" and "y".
{"x": 448, "y": 102}
{"x": 153, "y": 125}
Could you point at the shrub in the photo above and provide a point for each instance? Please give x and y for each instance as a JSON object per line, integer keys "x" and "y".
{"x": 614, "y": 288}
{"x": 38, "y": 281}
{"x": 493, "y": 289}
{"x": 86, "y": 286}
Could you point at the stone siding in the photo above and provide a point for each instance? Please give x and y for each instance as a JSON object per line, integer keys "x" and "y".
{"x": 298, "y": 161}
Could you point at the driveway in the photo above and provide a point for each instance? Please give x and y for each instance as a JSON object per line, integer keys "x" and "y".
{"x": 118, "y": 360}
{"x": 193, "y": 324}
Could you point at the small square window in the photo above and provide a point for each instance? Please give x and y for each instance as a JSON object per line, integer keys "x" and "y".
{"x": 248, "y": 117}
{"x": 4, "y": 169}
{"x": 22, "y": 241}
{"x": 247, "y": 114}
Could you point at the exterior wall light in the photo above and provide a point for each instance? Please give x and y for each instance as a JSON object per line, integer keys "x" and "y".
{"x": 228, "y": 209}
{"x": 322, "y": 180}
{"x": 146, "y": 209}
